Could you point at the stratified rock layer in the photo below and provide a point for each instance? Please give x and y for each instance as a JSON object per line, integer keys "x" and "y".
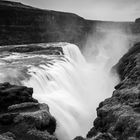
{"x": 21, "y": 24}
{"x": 50, "y": 49}
{"x": 22, "y": 117}
{"x": 118, "y": 117}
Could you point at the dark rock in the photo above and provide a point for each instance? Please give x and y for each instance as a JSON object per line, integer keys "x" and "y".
{"x": 92, "y": 132}
{"x": 35, "y": 49}
{"x": 22, "y": 117}
{"x": 23, "y": 106}
{"x": 128, "y": 67}
{"x": 104, "y": 136}
{"x": 28, "y": 121}
{"x": 22, "y": 24}
{"x": 7, "y": 119}
{"x": 39, "y": 135}
{"x": 7, "y": 136}
{"x": 11, "y": 94}
{"x": 40, "y": 48}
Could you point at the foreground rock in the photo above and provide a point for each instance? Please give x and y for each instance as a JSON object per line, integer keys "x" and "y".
{"x": 11, "y": 94}
{"x": 118, "y": 117}
{"x": 22, "y": 117}
{"x": 21, "y": 24}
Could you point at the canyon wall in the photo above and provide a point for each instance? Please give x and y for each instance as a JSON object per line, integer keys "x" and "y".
{"x": 21, "y": 24}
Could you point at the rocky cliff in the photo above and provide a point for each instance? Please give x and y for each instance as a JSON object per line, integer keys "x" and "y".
{"x": 118, "y": 117}
{"x": 20, "y": 24}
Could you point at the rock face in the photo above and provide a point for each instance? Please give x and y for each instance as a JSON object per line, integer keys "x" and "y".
{"x": 11, "y": 94}
{"x": 21, "y": 24}
{"x": 118, "y": 117}
{"x": 22, "y": 117}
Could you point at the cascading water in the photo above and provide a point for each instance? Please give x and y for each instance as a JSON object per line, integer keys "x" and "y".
{"x": 62, "y": 87}
{"x": 70, "y": 86}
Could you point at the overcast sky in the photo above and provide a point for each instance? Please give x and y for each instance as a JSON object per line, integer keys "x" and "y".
{"x": 116, "y": 10}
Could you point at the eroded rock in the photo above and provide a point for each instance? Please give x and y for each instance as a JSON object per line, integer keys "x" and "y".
{"x": 22, "y": 117}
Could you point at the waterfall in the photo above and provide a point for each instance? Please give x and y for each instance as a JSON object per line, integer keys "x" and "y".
{"x": 71, "y": 86}
{"x": 73, "y": 89}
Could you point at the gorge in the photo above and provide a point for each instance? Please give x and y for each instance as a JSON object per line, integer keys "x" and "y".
{"x": 56, "y": 68}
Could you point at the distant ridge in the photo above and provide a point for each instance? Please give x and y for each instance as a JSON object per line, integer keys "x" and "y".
{"x": 23, "y": 24}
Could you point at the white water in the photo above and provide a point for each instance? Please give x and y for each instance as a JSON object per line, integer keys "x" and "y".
{"x": 72, "y": 87}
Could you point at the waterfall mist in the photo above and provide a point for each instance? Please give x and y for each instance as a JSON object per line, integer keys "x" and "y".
{"x": 74, "y": 87}
{"x": 75, "y": 84}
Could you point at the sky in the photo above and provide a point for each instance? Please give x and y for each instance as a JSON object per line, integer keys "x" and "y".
{"x": 111, "y": 10}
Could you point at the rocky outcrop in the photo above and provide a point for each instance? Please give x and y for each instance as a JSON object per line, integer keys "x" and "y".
{"x": 118, "y": 117}
{"x": 22, "y": 117}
